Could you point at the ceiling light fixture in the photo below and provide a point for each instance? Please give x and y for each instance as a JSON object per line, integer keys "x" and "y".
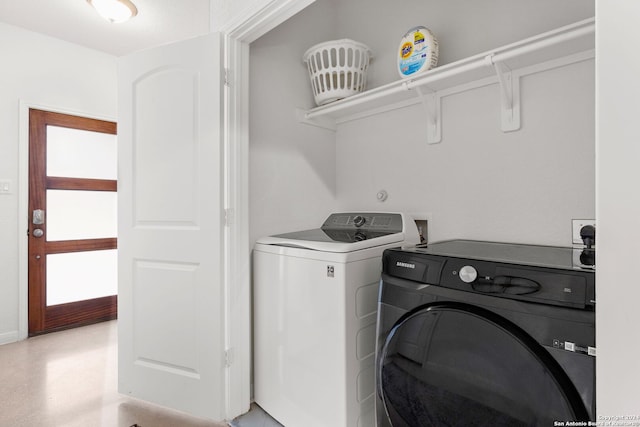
{"x": 115, "y": 10}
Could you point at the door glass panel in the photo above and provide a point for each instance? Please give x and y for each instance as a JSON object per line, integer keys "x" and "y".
{"x": 457, "y": 366}
{"x": 74, "y": 153}
{"x": 79, "y": 276}
{"x": 73, "y": 214}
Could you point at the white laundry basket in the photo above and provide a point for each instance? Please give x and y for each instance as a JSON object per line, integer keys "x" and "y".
{"x": 337, "y": 69}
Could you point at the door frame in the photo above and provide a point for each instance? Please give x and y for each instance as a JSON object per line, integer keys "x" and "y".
{"x": 238, "y": 35}
{"x": 23, "y": 202}
{"x": 42, "y": 317}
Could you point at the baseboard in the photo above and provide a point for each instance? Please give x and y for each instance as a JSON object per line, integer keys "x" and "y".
{"x": 8, "y": 337}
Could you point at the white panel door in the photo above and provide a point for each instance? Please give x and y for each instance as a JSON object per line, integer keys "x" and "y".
{"x": 170, "y": 313}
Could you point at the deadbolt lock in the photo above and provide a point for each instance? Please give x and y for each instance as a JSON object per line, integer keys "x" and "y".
{"x": 38, "y": 217}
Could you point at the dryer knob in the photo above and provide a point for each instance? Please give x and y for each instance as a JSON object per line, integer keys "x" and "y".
{"x": 468, "y": 274}
{"x": 359, "y": 221}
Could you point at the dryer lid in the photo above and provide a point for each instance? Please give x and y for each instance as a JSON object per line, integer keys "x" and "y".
{"x": 320, "y": 240}
{"x": 345, "y": 232}
{"x": 334, "y": 235}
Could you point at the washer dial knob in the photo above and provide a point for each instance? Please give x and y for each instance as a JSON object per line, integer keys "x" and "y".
{"x": 468, "y": 274}
{"x": 359, "y": 220}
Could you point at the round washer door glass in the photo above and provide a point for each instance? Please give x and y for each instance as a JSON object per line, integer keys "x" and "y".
{"x": 453, "y": 364}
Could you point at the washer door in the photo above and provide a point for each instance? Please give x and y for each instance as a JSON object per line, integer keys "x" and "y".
{"x": 454, "y": 364}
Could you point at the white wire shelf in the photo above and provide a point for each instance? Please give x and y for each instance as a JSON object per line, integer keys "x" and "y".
{"x": 504, "y": 66}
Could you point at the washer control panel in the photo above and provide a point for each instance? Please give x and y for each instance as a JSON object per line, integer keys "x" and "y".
{"x": 386, "y": 222}
{"x": 359, "y": 221}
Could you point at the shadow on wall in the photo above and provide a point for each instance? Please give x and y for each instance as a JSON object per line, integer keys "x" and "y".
{"x": 293, "y": 165}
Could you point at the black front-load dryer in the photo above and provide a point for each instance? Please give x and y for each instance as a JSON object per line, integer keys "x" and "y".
{"x": 485, "y": 334}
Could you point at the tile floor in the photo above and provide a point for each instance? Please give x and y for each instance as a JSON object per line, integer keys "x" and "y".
{"x": 256, "y": 417}
{"x": 69, "y": 379}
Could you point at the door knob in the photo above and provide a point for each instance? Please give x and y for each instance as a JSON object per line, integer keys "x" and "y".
{"x": 38, "y": 232}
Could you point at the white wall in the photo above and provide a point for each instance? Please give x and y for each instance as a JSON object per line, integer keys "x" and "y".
{"x": 225, "y": 11}
{"x": 236, "y": 16}
{"x": 618, "y": 207}
{"x": 292, "y": 166}
{"x": 462, "y": 27}
{"x": 40, "y": 70}
{"x": 479, "y": 182}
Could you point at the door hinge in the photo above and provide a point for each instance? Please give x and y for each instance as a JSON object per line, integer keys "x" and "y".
{"x": 228, "y": 356}
{"x": 227, "y": 77}
{"x": 228, "y": 217}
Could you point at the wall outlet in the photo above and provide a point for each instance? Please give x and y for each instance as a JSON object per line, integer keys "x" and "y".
{"x": 576, "y": 225}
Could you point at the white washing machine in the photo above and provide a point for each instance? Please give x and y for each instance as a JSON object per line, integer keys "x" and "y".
{"x": 315, "y": 302}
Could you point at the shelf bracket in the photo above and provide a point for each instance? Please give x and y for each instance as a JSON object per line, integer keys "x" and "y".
{"x": 431, "y": 103}
{"x": 509, "y": 83}
{"x": 321, "y": 122}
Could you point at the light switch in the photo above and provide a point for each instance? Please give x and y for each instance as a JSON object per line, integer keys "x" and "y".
{"x": 5, "y": 186}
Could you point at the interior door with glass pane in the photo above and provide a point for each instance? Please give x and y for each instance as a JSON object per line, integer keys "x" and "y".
{"x": 73, "y": 221}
